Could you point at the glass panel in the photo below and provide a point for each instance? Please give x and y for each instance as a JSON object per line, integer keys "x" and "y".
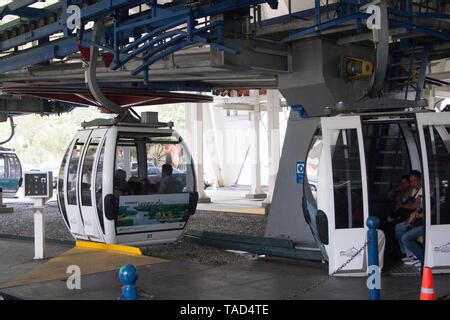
{"x": 2, "y": 167}
{"x": 86, "y": 172}
{"x": 61, "y": 184}
{"x": 148, "y": 167}
{"x": 72, "y": 172}
{"x": 14, "y": 167}
{"x": 165, "y": 155}
{"x": 99, "y": 186}
{"x": 126, "y": 174}
{"x": 347, "y": 183}
{"x": 438, "y": 153}
{"x": 387, "y": 159}
{"x": 140, "y": 162}
{"x": 312, "y": 166}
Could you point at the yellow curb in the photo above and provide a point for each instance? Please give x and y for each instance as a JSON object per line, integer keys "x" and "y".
{"x": 109, "y": 247}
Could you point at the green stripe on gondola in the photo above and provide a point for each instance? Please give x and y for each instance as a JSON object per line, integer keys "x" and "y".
{"x": 9, "y": 185}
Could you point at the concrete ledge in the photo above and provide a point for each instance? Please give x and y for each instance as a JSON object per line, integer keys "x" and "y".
{"x": 204, "y": 200}
{"x": 256, "y": 196}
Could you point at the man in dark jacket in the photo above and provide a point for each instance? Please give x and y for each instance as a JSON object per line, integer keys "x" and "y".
{"x": 169, "y": 184}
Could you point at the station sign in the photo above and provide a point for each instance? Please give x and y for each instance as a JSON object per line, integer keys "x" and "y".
{"x": 300, "y": 171}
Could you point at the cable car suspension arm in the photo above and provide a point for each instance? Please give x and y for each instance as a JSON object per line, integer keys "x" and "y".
{"x": 91, "y": 77}
{"x": 13, "y": 126}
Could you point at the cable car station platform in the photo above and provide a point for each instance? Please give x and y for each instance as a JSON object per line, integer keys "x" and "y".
{"x": 24, "y": 278}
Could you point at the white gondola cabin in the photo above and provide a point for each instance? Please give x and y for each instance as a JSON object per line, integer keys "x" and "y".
{"x": 109, "y": 186}
{"x": 353, "y": 162}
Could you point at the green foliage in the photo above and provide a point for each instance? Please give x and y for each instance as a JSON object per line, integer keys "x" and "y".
{"x": 41, "y": 141}
{"x": 170, "y": 112}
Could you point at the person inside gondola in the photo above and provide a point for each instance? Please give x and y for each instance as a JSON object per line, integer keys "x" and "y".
{"x": 120, "y": 183}
{"x": 169, "y": 184}
{"x": 135, "y": 187}
{"x": 400, "y": 194}
{"x": 411, "y": 208}
{"x": 414, "y": 199}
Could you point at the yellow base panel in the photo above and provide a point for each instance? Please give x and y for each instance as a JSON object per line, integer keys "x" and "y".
{"x": 109, "y": 247}
{"x": 257, "y": 211}
{"x": 90, "y": 261}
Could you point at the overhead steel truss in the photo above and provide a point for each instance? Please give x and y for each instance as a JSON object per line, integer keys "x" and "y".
{"x": 142, "y": 42}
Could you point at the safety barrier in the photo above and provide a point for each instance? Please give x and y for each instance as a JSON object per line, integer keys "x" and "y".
{"x": 128, "y": 276}
{"x": 374, "y": 277}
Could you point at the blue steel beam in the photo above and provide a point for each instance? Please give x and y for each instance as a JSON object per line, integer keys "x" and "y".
{"x": 103, "y": 7}
{"x": 166, "y": 15}
{"x": 69, "y": 45}
{"x": 359, "y": 16}
{"x": 14, "y": 6}
{"x": 53, "y": 50}
{"x": 165, "y": 18}
{"x": 326, "y": 25}
{"x": 418, "y": 29}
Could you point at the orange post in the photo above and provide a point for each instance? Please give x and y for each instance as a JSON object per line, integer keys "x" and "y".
{"x": 427, "y": 290}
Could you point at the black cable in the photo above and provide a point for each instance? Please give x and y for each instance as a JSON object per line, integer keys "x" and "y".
{"x": 135, "y": 113}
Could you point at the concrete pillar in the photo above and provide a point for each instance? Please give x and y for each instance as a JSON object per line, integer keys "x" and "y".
{"x": 431, "y": 97}
{"x": 194, "y": 125}
{"x": 273, "y": 137}
{"x": 255, "y": 188}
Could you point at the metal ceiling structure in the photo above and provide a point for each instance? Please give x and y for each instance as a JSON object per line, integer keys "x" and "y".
{"x": 203, "y": 45}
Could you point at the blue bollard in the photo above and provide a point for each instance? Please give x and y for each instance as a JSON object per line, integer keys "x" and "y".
{"x": 373, "y": 280}
{"x": 128, "y": 276}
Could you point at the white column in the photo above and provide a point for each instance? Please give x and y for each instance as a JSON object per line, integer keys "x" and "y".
{"x": 255, "y": 188}
{"x": 431, "y": 97}
{"x": 39, "y": 229}
{"x": 273, "y": 136}
{"x": 196, "y": 137}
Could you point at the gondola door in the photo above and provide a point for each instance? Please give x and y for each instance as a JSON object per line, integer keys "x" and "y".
{"x": 434, "y": 137}
{"x": 345, "y": 200}
{"x": 89, "y": 191}
{"x": 72, "y": 169}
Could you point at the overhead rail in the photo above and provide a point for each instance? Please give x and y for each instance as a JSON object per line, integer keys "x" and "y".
{"x": 155, "y": 32}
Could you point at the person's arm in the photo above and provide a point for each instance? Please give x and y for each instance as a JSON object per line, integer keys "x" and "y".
{"x": 411, "y": 218}
{"x": 414, "y": 205}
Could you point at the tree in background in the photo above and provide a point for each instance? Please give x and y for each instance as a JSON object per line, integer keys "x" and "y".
{"x": 41, "y": 141}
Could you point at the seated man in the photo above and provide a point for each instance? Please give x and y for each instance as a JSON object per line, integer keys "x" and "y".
{"x": 409, "y": 238}
{"x": 400, "y": 194}
{"x": 169, "y": 184}
{"x": 413, "y": 200}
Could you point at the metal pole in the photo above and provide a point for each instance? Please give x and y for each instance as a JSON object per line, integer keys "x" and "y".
{"x": 39, "y": 229}
{"x": 373, "y": 281}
